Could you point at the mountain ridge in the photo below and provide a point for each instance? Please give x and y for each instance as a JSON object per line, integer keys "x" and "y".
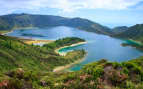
{"x": 119, "y": 29}
{"x": 12, "y": 21}
{"x": 134, "y": 32}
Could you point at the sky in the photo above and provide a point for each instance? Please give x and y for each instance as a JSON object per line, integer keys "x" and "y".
{"x": 110, "y": 13}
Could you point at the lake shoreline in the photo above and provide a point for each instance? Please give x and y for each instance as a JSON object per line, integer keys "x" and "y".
{"x": 29, "y": 41}
{"x": 7, "y": 32}
{"x": 62, "y": 68}
{"x": 135, "y": 41}
{"x": 10, "y": 31}
{"x": 32, "y": 41}
{"x": 98, "y": 47}
{"x": 63, "y": 54}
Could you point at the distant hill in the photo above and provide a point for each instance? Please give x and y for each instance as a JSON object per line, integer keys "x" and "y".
{"x": 119, "y": 29}
{"x": 134, "y": 32}
{"x": 12, "y": 21}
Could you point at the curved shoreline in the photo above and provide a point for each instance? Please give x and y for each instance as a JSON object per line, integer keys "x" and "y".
{"x": 134, "y": 41}
{"x": 62, "y": 68}
{"x": 63, "y": 54}
{"x": 17, "y": 28}
{"x": 7, "y": 32}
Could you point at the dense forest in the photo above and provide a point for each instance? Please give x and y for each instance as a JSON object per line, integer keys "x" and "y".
{"x": 30, "y": 67}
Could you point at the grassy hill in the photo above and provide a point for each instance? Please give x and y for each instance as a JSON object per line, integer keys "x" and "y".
{"x": 13, "y": 21}
{"x": 106, "y": 75}
{"x": 134, "y": 32}
{"x": 30, "y": 67}
{"x": 119, "y": 29}
{"x": 15, "y": 54}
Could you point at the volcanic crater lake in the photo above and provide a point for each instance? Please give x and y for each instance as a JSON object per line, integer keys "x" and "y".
{"x": 98, "y": 46}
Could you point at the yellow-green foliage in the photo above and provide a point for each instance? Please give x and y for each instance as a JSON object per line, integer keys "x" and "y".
{"x": 63, "y": 42}
{"x": 30, "y": 67}
{"x": 14, "y": 53}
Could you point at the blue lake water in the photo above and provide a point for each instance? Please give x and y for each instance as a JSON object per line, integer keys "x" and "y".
{"x": 98, "y": 46}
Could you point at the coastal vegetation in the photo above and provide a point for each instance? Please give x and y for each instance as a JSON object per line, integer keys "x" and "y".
{"x": 3, "y": 31}
{"x": 26, "y": 66}
{"x": 119, "y": 29}
{"x": 134, "y": 32}
{"x": 107, "y": 75}
{"x": 137, "y": 44}
{"x": 14, "y": 21}
{"x": 16, "y": 56}
{"x": 63, "y": 42}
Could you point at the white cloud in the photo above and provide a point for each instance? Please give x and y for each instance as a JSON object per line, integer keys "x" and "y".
{"x": 65, "y": 5}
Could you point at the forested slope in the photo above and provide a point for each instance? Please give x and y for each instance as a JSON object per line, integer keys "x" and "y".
{"x": 13, "y": 21}
{"x": 134, "y": 32}
{"x": 30, "y": 67}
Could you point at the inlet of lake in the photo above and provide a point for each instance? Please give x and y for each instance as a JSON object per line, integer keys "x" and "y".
{"x": 98, "y": 46}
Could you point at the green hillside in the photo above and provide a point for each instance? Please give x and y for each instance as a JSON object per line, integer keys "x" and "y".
{"x": 24, "y": 66}
{"x": 13, "y": 21}
{"x": 119, "y": 29}
{"x": 106, "y": 75}
{"x": 16, "y": 54}
{"x": 134, "y": 32}
{"x": 31, "y": 67}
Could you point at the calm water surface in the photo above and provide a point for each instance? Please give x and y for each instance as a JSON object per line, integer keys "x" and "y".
{"x": 98, "y": 46}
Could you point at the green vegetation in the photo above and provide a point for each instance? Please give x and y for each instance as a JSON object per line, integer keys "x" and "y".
{"x": 134, "y": 32}
{"x": 14, "y": 21}
{"x": 106, "y": 75}
{"x": 23, "y": 65}
{"x": 119, "y": 29}
{"x": 137, "y": 45}
{"x": 30, "y": 67}
{"x": 16, "y": 54}
{"x": 63, "y": 42}
{"x": 98, "y": 75}
{"x": 4, "y": 31}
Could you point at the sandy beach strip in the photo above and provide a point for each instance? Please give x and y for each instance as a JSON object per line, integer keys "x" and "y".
{"x": 6, "y": 32}
{"x": 31, "y": 41}
{"x": 62, "y": 68}
{"x": 63, "y": 54}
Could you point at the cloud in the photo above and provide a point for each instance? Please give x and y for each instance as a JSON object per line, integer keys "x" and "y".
{"x": 8, "y": 6}
{"x": 138, "y": 6}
